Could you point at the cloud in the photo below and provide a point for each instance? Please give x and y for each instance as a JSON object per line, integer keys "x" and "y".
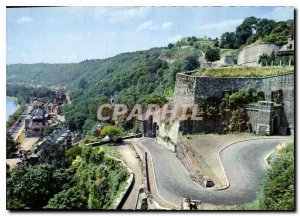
{"x": 126, "y": 14}
{"x": 167, "y": 25}
{"x": 148, "y": 25}
{"x": 226, "y": 24}
{"x": 24, "y": 19}
{"x": 174, "y": 38}
{"x": 282, "y": 13}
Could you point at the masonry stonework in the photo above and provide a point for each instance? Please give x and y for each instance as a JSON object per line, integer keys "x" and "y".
{"x": 191, "y": 88}
{"x": 250, "y": 55}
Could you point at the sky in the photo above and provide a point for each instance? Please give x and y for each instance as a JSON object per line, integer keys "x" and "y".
{"x": 73, "y": 34}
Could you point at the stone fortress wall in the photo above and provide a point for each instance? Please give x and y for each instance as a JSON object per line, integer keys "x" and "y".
{"x": 249, "y": 55}
{"x": 190, "y": 88}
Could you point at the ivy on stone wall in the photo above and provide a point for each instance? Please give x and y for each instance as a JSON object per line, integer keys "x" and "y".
{"x": 229, "y": 110}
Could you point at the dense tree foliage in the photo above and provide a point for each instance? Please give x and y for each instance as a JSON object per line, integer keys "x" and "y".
{"x": 212, "y": 55}
{"x": 191, "y": 63}
{"x": 33, "y": 187}
{"x": 24, "y": 92}
{"x": 11, "y": 145}
{"x": 92, "y": 180}
{"x": 98, "y": 179}
{"x": 253, "y": 29}
{"x": 228, "y": 40}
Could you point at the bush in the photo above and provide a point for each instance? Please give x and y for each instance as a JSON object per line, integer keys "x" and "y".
{"x": 111, "y": 130}
{"x": 72, "y": 153}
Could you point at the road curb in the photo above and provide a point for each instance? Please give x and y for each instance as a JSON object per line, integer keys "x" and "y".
{"x": 223, "y": 169}
{"x": 154, "y": 174}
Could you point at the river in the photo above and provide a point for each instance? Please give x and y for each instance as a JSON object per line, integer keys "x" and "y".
{"x": 11, "y": 106}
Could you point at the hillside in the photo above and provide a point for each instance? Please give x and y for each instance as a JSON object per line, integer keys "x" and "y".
{"x": 133, "y": 77}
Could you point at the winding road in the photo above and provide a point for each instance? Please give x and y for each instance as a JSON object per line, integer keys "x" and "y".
{"x": 243, "y": 163}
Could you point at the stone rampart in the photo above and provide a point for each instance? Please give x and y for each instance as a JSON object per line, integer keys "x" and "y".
{"x": 250, "y": 55}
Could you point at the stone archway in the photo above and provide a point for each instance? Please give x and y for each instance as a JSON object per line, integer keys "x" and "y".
{"x": 276, "y": 125}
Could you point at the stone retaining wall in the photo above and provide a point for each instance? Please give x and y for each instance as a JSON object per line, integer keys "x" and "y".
{"x": 250, "y": 55}
{"x": 190, "y": 88}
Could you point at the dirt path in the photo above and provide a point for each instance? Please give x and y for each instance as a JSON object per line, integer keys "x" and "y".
{"x": 130, "y": 157}
{"x": 27, "y": 143}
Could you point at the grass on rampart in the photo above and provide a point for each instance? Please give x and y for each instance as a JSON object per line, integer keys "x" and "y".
{"x": 245, "y": 71}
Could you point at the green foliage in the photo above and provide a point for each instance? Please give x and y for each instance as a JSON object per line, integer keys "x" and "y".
{"x": 212, "y": 54}
{"x": 157, "y": 99}
{"x": 228, "y": 40}
{"x": 24, "y": 92}
{"x": 72, "y": 153}
{"x": 93, "y": 181}
{"x": 34, "y": 186}
{"x": 11, "y": 145}
{"x": 112, "y": 130}
{"x": 253, "y": 29}
{"x": 278, "y": 188}
{"x": 83, "y": 83}
{"x": 245, "y": 30}
{"x": 191, "y": 63}
{"x": 244, "y": 71}
{"x": 72, "y": 198}
{"x": 233, "y": 115}
{"x": 48, "y": 130}
{"x": 229, "y": 111}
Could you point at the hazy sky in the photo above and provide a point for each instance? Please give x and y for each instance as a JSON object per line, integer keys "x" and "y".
{"x": 73, "y": 34}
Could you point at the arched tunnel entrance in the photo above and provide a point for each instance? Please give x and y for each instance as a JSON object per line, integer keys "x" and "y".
{"x": 276, "y": 125}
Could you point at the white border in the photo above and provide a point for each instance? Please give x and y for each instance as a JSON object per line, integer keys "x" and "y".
{"x": 4, "y": 3}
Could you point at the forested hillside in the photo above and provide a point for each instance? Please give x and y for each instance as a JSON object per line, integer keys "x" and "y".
{"x": 137, "y": 75}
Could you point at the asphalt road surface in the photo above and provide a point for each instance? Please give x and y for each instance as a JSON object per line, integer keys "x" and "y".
{"x": 243, "y": 163}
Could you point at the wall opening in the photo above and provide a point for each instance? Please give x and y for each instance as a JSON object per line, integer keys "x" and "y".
{"x": 276, "y": 125}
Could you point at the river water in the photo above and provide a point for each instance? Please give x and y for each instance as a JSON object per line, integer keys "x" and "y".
{"x": 11, "y": 106}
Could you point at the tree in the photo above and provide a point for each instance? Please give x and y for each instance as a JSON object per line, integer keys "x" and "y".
{"x": 48, "y": 130}
{"x": 170, "y": 46}
{"x": 72, "y": 198}
{"x": 191, "y": 63}
{"x": 228, "y": 40}
{"x": 245, "y": 30}
{"x": 212, "y": 55}
{"x": 216, "y": 43}
{"x": 72, "y": 153}
{"x": 11, "y": 145}
{"x": 34, "y": 186}
{"x": 83, "y": 83}
{"x": 157, "y": 99}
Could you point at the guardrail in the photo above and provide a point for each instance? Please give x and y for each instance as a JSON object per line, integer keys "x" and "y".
{"x": 123, "y": 195}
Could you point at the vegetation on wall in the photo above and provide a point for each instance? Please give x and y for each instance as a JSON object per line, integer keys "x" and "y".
{"x": 229, "y": 112}
{"x": 244, "y": 71}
